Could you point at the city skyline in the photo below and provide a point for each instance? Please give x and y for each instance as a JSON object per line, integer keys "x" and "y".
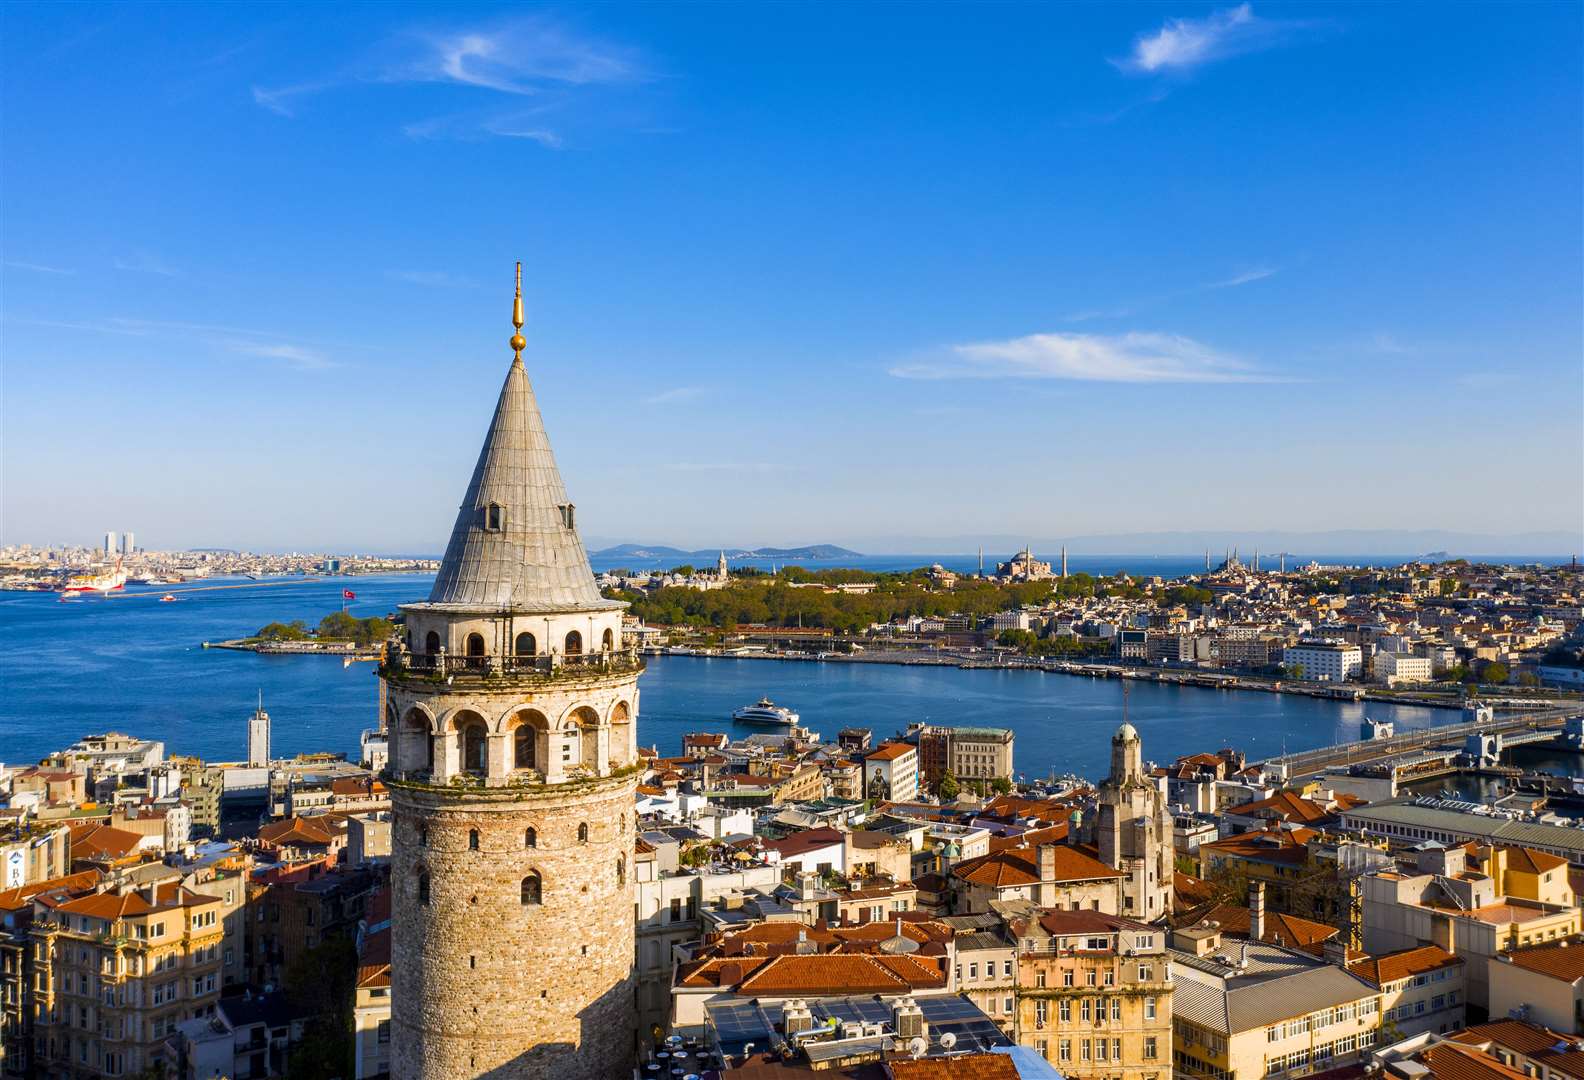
{"x": 792, "y": 277}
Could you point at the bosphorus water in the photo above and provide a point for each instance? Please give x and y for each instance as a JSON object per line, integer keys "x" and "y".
{"x": 130, "y": 663}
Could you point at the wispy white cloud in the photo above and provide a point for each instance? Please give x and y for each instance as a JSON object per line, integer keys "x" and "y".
{"x": 37, "y": 268}
{"x": 518, "y": 56}
{"x": 1098, "y": 313}
{"x": 1137, "y": 357}
{"x": 145, "y": 263}
{"x": 1388, "y": 345}
{"x": 674, "y": 394}
{"x": 532, "y": 56}
{"x": 432, "y": 279}
{"x": 1259, "y": 273}
{"x": 1181, "y": 45}
{"x": 728, "y": 466}
{"x": 294, "y": 356}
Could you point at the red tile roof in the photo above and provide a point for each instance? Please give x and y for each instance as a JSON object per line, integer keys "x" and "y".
{"x": 1562, "y": 959}
{"x": 966, "y": 1067}
{"x": 1020, "y": 866}
{"x": 1391, "y": 967}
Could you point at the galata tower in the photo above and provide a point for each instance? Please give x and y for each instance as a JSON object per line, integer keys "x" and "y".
{"x": 1134, "y": 830}
{"x": 510, "y": 708}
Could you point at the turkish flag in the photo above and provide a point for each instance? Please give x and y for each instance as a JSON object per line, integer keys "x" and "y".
{"x": 348, "y": 594}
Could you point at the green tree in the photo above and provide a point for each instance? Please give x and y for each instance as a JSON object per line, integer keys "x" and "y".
{"x": 1493, "y": 672}
{"x": 322, "y": 982}
{"x": 947, "y": 787}
{"x": 1293, "y": 671}
{"x": 1001, "y": 786}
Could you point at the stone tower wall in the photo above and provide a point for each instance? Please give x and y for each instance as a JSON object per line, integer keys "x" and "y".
{"x": 486, "y": 986}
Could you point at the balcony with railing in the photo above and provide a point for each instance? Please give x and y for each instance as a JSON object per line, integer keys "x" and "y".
{"x": 401, "y": 663}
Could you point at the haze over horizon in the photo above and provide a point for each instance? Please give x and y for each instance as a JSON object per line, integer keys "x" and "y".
{"x": 796, "y": 275}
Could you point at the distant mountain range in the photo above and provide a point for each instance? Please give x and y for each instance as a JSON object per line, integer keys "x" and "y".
{"x": 1374, "y": 542}
{"x": 709, "y": 555}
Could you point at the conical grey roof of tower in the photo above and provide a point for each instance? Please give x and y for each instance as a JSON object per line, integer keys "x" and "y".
{"x": 534, "y": 561}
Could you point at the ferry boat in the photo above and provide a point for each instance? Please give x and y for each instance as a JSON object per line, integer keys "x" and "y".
{"x": 766, "y": 712}
{"x": 109, "y": 581}
{"x": 168, "y": 598}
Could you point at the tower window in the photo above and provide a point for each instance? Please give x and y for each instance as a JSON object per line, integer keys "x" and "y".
{"x": 606, "y": 640}
{"x": 568, "y": 515}
{"x": 532, "y": 891}
{"x": 574, "y": 643}
{"x": 423, "y": 836}
{"x": 423, "y": 887}
{"x": 531, "y": 838}
{"x": 526, "y": 645}
{"x": 523, "y": 747}
{"x": 582, "y": 832}
{"x": 494, "y": 517}
{"x": 432, "y": 643}
{"x": 473, "y": 843}
{"x": 621, "y": 871}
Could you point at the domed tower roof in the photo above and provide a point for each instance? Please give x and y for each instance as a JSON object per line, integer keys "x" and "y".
{"x": 515, "y": 546}
{"x": 1126, "y": 733}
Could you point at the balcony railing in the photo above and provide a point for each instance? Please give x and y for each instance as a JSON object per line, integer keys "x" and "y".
{"x": 542, "y": 665}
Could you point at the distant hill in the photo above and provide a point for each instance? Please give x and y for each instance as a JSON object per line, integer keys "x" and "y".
{"x": 709, "y": 555}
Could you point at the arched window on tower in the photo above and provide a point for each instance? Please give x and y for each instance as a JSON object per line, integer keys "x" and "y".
{"x": 582, "y": 832}
{"x": 526, "y": 645}
{"x": 423, "y": 836}
{"x": 532, "y": 889}
{"x": 475, "y": 650}
{"x": 574, "y": 643}
{"x": 523, "y": 747}
{"x": 423, "y": 887}
{"x": 474, "y": 756}
{"x": 621, "y": 870}
{"x": 473, "y": 844}
{"x": 432, "y": 642}
{"x": 606, "y": 640}
{"x": 531, "y": 838}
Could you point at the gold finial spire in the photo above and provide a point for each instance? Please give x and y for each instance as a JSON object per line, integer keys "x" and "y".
{"x": 517, "y": 342}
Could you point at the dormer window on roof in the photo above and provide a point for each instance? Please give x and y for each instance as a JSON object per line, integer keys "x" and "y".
{"x": 494, "y": 517}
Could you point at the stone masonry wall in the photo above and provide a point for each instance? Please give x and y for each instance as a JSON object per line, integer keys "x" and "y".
{"x": 484, "y": 985}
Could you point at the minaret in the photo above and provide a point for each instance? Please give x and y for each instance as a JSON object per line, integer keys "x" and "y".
{"x": 1064, "y": 561}
{"x": 981, "y": 560}
{"x": 511, "y": 706}
{"x": 721, "y": 570}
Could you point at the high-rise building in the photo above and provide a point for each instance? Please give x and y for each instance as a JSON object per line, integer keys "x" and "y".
{"x": 259, "y": 737}
{"x": 510, "y": 707}
{"x": 1134, "y": 830}
{"x": 110, "y": 543}
{"x": 128, "y": 544}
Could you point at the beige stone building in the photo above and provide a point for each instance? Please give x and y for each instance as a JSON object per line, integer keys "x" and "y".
{"x": 115, "y": 973}
{"x": 510, "y": 707}
{"x": 1094, "y": 994}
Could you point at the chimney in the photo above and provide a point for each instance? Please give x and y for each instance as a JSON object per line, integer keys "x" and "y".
{"x": 1256, "y": 903}
{"x": 1334, "y": 950}
{"x": 730, "y": 974}
{"x": 1047, "y": 874}
{"x": 1443, "y": 932}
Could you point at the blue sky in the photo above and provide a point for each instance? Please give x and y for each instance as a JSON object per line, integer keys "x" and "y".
{"x": 794, "y": 273}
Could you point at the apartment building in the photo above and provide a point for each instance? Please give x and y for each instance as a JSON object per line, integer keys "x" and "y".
{"x": 1422, "y": 989}
{"x": 1445, "y": 902}
{"x": 1543, "y": 982}
{"x": 986, "y": 971}
{"x": 1050, "y": 875}
{"x": 1324, "y": 660}
{"x": 1094, "y": 994}
{"x": 891, "y": 772}
{"x": 1248, "y": 1010}
{"x": 116, "y": 972}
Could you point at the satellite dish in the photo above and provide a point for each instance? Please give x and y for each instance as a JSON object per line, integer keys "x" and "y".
{"x": 917, "y": 1045}
{"x": 948, "y": 1040}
